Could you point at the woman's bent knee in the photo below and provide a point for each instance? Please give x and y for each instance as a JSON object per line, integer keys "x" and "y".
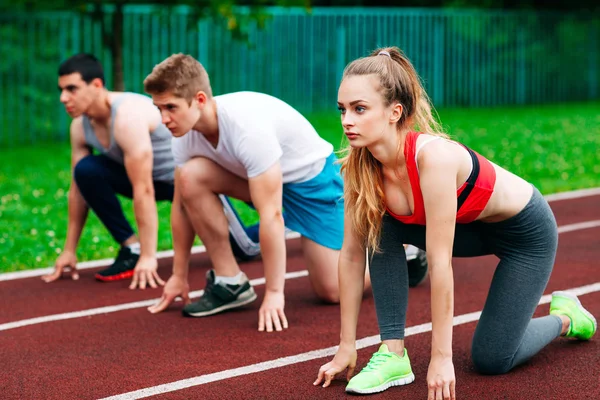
{"x": 488, "y": 364}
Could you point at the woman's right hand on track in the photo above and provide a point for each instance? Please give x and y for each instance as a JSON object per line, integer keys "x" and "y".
{"x": 175, "y": 286}
{"x": 344, "y": 358}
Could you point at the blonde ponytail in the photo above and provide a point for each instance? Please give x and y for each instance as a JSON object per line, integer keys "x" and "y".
{"x": 363, "y": 182}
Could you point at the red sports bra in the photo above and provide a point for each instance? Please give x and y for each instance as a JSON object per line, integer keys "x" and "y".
{"x": 472, "y": 196}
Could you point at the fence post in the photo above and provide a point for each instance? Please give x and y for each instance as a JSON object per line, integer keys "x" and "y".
{"x": 62, "y": 115}
{"x": 203, "y": 44}
{"x": 340, "y": 60}
{"x": 521, "y": 78}
{"x": 438, "y": 63}
{"x": 593, "y": 65}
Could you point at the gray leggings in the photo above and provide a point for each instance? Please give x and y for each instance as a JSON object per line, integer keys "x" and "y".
{"x": 506, "y": 334}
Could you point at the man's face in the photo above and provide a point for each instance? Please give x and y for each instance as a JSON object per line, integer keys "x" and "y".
{"x": 178, "y": 114}
{"x": 76, "y": 94}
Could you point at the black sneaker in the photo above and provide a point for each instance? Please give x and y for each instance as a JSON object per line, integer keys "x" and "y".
{"x": 220, "y": 297}
{"x": 417, "y": 268}
{"x": 122, "y": 268}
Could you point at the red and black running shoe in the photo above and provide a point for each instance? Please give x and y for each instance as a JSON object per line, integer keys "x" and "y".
{"x": 122, "y": 268}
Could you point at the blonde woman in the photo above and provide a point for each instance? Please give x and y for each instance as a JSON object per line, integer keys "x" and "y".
{"x": 406, "y": 182}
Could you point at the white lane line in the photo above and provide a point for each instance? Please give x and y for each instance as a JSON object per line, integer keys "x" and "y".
{"x": 308, "y": 356}
{"x": 119, "y": 307}
{"x": 575, "y": 194}
{"x": 32, "y": 273}
{"x": 7, "y": 276}
{"x": 147, "y": 303}
{"x": 578, "y": 226}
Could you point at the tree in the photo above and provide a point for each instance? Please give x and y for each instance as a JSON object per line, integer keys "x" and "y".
{"x": 227, "y": 11}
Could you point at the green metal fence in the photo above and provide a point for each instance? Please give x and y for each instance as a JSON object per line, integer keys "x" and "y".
{"x": 467, "y": 58}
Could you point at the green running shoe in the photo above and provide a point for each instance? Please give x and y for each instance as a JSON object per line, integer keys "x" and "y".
{"x": 583, "y": 324}
{"x": 384, "y": 370}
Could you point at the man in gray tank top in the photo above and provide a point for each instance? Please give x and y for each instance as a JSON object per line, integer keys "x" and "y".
{"x": 132, "y": 158}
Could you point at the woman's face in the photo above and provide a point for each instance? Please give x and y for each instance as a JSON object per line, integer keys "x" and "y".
{"x": 365, "y": 117}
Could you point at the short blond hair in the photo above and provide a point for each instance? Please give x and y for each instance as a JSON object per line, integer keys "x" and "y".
{"x": 181, "y": 75}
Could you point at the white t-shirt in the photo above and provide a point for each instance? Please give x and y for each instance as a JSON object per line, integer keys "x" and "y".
{"x": 255, "y": 131}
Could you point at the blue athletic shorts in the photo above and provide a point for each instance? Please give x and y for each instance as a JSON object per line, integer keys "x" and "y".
{"x": 315, "y": 208}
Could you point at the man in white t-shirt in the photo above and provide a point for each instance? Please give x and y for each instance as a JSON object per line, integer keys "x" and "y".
{"x": 256, "y": 148}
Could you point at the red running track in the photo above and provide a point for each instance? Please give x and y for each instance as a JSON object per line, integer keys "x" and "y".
{"x": 114, "y": 353}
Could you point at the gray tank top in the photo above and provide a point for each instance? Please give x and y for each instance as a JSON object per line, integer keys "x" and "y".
{"x": 164, "y": 166}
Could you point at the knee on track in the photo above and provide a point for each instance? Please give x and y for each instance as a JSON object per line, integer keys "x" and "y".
{"x": 489, "y": 364}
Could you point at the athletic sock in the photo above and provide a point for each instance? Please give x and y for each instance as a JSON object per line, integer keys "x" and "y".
{"x": 135, "y": 248}
{"x": 230, "y": 280}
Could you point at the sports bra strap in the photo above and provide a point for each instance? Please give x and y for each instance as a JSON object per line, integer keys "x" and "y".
{"x": 423, "y": 143}
{"x": 470, "y": 183}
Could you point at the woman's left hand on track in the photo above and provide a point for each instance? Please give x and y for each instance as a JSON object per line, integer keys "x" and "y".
{"x": 441, "y": 382}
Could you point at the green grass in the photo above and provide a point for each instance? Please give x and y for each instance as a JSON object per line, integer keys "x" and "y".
{"x": 555, "y": 147}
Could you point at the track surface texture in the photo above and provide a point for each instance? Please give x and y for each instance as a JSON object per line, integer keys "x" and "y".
{"x": 90, "y": 340}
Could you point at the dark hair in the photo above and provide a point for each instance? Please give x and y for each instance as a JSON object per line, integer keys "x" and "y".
{"x": 87, "y": 65}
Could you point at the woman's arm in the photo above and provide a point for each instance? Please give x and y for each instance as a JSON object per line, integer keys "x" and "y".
{"x": 438, "y": 169}
{"x": 351, "y": 279}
